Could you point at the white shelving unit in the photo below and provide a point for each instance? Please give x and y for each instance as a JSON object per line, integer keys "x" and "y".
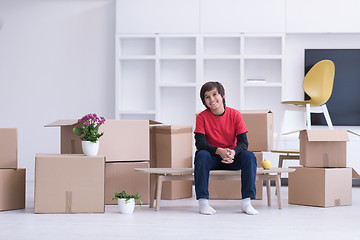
{"x": 159, "y": 76}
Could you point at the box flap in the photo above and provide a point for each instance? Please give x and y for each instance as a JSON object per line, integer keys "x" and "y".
{"x": 173, "y": 129}
{"x": 255, "y": 111}
{"x": 327, "y": 135}
{"x": 60, "y": 123}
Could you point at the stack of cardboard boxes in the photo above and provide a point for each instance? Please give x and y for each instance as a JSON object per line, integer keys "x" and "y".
{"x": 260, "y": 137}
{"x": 124, "y": 145}
{"x": 12, "y": 179}
{"x": 324, "y": 179}
{"x": 171, "y": 147}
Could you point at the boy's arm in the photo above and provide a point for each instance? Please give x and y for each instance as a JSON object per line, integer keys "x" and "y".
{"x": 242, "y": 143}
{"x": 202, "y": 144}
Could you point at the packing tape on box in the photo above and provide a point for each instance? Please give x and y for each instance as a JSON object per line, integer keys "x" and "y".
{"x": 337, "y": 202}
{"x": 68, "y": 201}
{"x": 325, "y": 159}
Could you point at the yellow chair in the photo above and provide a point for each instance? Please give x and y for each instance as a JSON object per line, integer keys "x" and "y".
{"x": 318, "y": 85}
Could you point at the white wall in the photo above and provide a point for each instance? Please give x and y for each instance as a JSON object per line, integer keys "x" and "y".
{"x": 56, "y": 62}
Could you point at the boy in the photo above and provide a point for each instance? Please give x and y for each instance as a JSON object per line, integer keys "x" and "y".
{"x": 221, "y": 142}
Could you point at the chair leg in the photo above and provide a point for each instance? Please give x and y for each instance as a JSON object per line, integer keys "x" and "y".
{"x": 327, "y": 116}
{"x": 308, "y": 116}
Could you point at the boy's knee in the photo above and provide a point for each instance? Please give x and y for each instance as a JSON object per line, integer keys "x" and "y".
{"x": 202, "y": 156}
{"x": 249, "y": 156}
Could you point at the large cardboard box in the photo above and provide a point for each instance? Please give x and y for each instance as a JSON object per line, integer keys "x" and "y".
{"x": 123, "y": 140}
{"x": 171, "y": 147}
{"x": 8, "y": 147}
{"x": 12, "y": 189}
{"x": 323, "y": 148}
{"x": 231, "y": 189}
{"x": 69, "y": 183}
{"x": 260, "y": 125}
{"x": 122, "y": 176}
{"x": 323, "y": 187}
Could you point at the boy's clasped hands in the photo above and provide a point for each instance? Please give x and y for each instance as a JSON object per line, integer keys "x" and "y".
{"x": 226, "y": 154}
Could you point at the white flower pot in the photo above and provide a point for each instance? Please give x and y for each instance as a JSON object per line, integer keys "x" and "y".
{"x": 90, "y": 148}
{"x": 126, "y": 207}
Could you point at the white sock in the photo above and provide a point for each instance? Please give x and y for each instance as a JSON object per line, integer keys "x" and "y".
{"x": 205, "y": 208}
{"x": 247, "y": 207}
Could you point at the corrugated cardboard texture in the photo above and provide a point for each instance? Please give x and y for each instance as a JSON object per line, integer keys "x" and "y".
{"x": 260, "y": 129}
{"x": 8, "y": 147}
{"x": 69, "y": 183}
{"x": 323, "y": 148}
{"x": 123, "y": 140}
{"x": 122, "y": 176}
{"x": 231, "y": 189}
{"x": 12, "y": 188}
{"x": 323, "y": 187}
{"x": 172, "y": 148}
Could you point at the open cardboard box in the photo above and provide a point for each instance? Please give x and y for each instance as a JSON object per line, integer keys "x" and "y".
{"x": 323, "y": 147}
{"x": 123, "y": 140}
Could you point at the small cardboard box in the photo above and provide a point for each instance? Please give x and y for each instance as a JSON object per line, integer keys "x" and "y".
{"x": 123, "y": 140}
{"x": 323, "y": 148}
{"x": 122, "y": 176}
{"x": 8, "y": 147}
{"x": 12, "y": 189}
{"x": 230, "y": 189}
{"x": 323, "y": 187}
{"x": 260, "y": 129}
{"x": 69, "y": 183}
{"x": 171, "y": 147}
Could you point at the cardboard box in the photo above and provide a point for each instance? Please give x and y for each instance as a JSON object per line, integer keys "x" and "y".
{"x": 323, "y": 148}
{"x": 323, "y": 187}
{"x": 260, "y": 125}
{"x": 123, "y": 140}
{"x": 172, "y": 147}
{"x": 12, "y": 189}
{"x": 8, "y": 147}
{"x": 122, "y": 176}
{"x": 231, "y": 189}
{"x": 67, "y": 183}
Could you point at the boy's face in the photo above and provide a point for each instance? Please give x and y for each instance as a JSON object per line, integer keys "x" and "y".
{"x": 214, "y": 101}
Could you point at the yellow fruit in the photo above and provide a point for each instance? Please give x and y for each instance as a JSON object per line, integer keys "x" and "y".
{"x": 266, "y": 164}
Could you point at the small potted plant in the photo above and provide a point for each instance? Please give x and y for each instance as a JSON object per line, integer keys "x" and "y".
{"x": 127, "y": 202}
{"x": 89, "y": 133}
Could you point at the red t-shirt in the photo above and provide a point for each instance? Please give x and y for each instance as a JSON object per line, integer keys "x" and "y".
{"x": 221, "y": 131}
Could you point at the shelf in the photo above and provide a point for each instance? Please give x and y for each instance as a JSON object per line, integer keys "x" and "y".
{"x": 177, "y": 46}
{"x": 263, "y": 45}
{"x": 177, "y": 71}
{"x": 138, "y": 46}
{"x": 214, "y": 57}
{"x": 258, "y": 84}
{"x": 222, "y": 45}
{"x": 260, "y": 57}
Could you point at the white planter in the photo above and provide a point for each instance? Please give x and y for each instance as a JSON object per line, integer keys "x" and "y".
{"x": 126, "y": 207}
{"x": 90, "y": 148}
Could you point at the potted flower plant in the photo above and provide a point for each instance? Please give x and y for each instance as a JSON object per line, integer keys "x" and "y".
{"x": 127, "y": 202}
{"x": 89, "y": 133}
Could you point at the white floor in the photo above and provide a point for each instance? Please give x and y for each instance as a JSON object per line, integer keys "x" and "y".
{"x": 179, "y": 219}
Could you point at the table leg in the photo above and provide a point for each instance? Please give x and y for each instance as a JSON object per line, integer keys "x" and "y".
{"x": 153, "y": 179}
{"x": 278, "y": 189}
{"x": 268, "y": 191}
{"x": 158, "y": 191}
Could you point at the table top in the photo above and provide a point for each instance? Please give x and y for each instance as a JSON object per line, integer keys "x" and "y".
{"x": 212, "y": 172}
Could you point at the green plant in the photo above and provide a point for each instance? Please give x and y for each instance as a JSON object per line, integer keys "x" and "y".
{"x": 127, "y": 197}
{"x": 89, "y": 130}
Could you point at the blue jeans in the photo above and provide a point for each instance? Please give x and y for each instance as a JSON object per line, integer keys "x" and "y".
{"x": 244, "y": 161}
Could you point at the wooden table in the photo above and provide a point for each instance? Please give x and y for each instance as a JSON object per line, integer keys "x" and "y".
{"x": 159, "y": 175}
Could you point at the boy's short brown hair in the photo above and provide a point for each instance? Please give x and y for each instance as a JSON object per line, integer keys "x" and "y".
{"x": 208, "y": 86}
